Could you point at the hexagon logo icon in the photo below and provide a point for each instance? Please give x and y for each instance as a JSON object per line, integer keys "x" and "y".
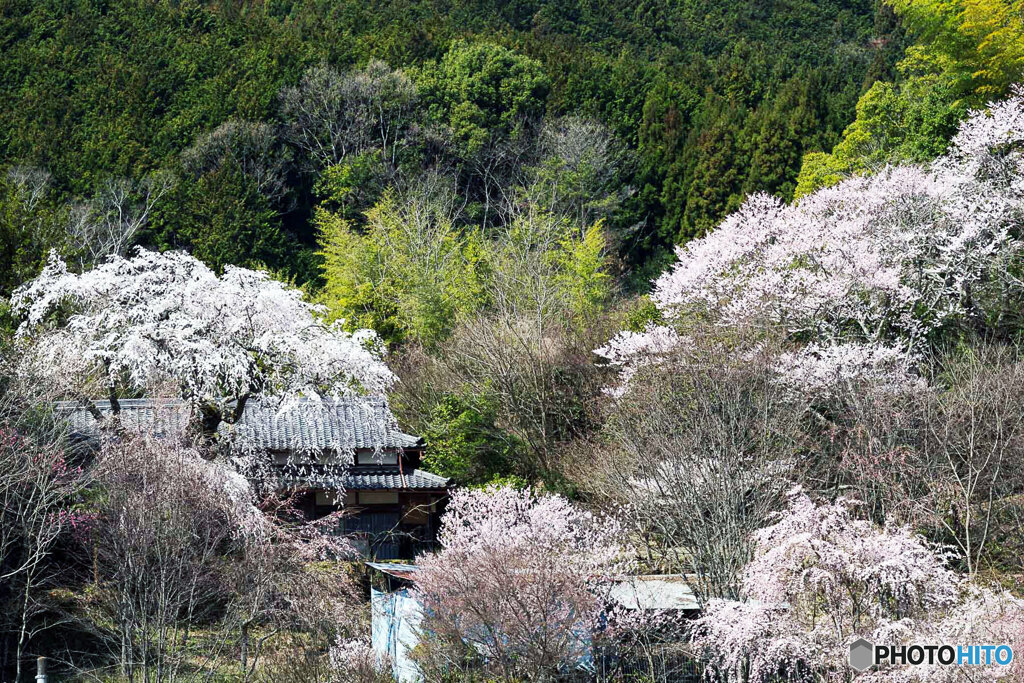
{"x": 862, "y": 654}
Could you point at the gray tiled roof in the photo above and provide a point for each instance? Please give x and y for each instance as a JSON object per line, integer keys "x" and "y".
{"x": 348, "y": 424}
{"x": 158, "y": 417}
{"x": 416, "y": 479}
{"x": 343, "y": 425}
{"x": 359, "y": 479}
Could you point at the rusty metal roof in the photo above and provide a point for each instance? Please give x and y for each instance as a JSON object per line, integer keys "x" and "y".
{"x": 395, "y": 569}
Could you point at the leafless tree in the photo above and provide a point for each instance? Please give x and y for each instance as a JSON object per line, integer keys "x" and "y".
{"x": 578, "y": 170}
{"x": 32, "y": 183}
{"x": 252, "y": 146}
{"x": 975, "y": 443}
{"x": 544, "y": 384}
{"x": 38, "y": 486}
{"x": 109, "y": 223}
{"x": 31, "y": 224}
{"x": 700, "y": 450}
{"x": 529, "y": 350}
{"x": 165, "y": 522}
{"x": 291, "y": 582}
{"x": 947, "y": 458}
{"x": 496, "y": 172}
{"x": 191, "y": 574}
{"x": 333, "y": 114}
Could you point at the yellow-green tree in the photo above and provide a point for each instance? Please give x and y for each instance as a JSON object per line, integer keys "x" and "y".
{"x": 410, "y": 273}
{"x": 967, "y": 53}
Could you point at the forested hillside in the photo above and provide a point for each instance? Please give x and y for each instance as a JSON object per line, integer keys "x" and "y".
{"x": 721, "y": 296}
{"x": 707, "y": 100}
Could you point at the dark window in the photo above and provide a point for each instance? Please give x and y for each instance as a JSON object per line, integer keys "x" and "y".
{"x": 371, "y": 458}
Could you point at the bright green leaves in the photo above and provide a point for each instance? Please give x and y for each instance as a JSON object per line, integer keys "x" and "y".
{"x": 581, "y": 273}
{"x": 483, "y": 90}
{"x": 409, "y": 274}
{"x": 968, "y": 52}
{"x": 464, "y": 442}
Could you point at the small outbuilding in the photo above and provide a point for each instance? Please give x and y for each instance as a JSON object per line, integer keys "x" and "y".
{"x": 395, "y": 618}
{"x": 655, "y": 592}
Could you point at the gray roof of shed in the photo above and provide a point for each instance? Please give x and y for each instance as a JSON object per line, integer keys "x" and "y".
{"x": 655, "y": 592}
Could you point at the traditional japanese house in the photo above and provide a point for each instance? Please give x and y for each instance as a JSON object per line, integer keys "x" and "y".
{"x": 347, "y": 455}
{"x": 392, "y": 506}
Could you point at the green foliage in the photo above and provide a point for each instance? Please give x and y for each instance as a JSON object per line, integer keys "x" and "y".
{"x": 510, "y": 480}
{"x": 715, "y": 99}
{"x": 968, "y": 52}
{"x": 30, "y": 222}
{"x": 581, "y": 273}
{"x": 484, "y": 90}
{"x": 642, "y": 314}
{"x": 543, "y": 266}
{"x": 351, "y": 184}
{"x": 977, "y": 44}
{"x": 912, "y": 121}
{"x": 96, "y": 89}
{"x": 713, "y": 182}
{"x": 464, "y": 443}
{"x": 223, "y": 219}
{"x": 820, "y": 169}
{"x": 410, "y": 274}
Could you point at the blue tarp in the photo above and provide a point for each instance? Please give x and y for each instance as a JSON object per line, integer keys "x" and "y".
{"x": 395, "y": 625}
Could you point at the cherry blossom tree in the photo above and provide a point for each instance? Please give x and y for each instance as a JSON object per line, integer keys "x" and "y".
{"x": 165, "y": 323}
{"x": 822, "y": 578}
{"x": 177, "y": 540}
{"x": 353, "y": 660}
{"x": 862, "y": 277}
{"x": 516, "y": 586}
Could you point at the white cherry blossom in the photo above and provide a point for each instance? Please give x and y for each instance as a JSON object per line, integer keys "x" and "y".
{"x": 159, "y": 320}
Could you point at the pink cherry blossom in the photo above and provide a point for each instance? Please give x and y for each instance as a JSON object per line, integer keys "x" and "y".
{"x": 821, "y": 578}
{"x": 870, "y": 271}
{"x": 519, "y": 579}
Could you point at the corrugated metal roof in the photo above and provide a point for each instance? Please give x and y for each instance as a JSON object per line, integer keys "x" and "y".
{"x": 344, "y": 424}
{"x": 653, "y": 592}
{"x": 398, "y": 570}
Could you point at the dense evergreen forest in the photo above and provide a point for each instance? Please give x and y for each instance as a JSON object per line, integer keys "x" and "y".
{"x": 706, "y": 102}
